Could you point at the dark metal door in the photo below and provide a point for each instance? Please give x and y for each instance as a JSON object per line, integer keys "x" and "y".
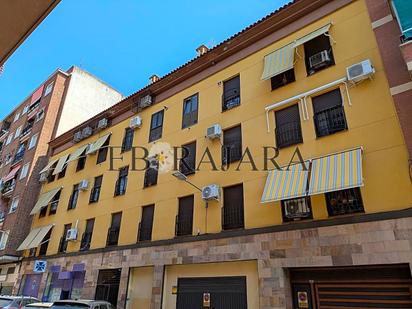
{"x": 222, "y": 293}
{"x": 107, "y": 287}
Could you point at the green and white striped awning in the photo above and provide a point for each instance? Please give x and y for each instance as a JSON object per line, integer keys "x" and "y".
{"x": 279, "y": 61}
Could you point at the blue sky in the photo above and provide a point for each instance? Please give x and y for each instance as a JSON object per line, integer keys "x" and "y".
{"x": 123, "y": 42}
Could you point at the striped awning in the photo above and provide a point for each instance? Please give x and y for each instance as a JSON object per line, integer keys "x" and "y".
{"x": 77, "y": 153}
{"x": 44, "y": 200}
{"x": 98, "y": 144}
{"x": 286, "y": 184}
{"x": 11, "y": 174}
{"x": 279, "y": 61}
{"x": 49, "y": 165}
{"x": 60, "y": 164}
{"x": 336, "y": 172}
{"x": 35, "y": 237}
{"x": 312, "y": 35}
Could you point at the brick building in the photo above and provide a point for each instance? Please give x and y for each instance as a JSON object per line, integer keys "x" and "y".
{"x": 64, "y": 99}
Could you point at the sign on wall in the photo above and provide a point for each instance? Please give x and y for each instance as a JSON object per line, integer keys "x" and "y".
{"x": 206, "y": 300}
{"x": 40, "y": 266}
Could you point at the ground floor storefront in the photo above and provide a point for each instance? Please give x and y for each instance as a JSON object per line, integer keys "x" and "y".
{"x": 364, "y": 264}
{"x": 8, "y": 277}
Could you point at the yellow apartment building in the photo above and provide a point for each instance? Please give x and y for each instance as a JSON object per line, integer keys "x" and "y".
{"x": 236, "y": 224}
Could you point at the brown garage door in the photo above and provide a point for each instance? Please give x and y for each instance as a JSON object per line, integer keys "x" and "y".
{"x": 368, "y": 287}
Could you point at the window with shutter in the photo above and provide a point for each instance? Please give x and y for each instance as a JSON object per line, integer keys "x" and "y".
{"x": 318, "y": 54}
{"x": 74, "y": 197}
{"x": 329, "y": 114}
{"x": 81, "y": 162}
{"x": 190, "y": 111}
{"x": 188, "y": 161}
{"x": 95, "y": 192}
{"x": 288, "y": 130}
{"x": 114, "y": 230}
{"x": 151, "y": 174}
{"x": 127, "y": 139}
{"x": 156, "y": 126}
{"x": 102, "y": 154}
{"x": 87, "y": 235}
{"x": 232, "y": 145}
{"x": 184, "y": 218}
{"x": 146, "y": 224}
{"x": 231, "y": 93}
{"x": 121, "y": 182}
{"x": 232, "y": 211}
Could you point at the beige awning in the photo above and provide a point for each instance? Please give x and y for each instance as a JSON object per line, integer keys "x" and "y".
{"x": 279, "y": 61}
{"x": 61, "y": 164}
{"x": 35, "y": 237}
{"x": 98, "y": 144}
{"x": 312, "y": 35}
{"x": 44, "y": 200}
{"x": 48, "y": 166}
{"x": 75, "y": 155}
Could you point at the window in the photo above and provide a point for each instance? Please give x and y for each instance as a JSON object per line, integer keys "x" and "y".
{"x": 20, "y": 153}
{"x": 188, "y": 161}
{"x": 24, "y": 171}
{"x": 146, "y": 224}
{"x": 232, "y": 211}
{"x": 232, "y": 145}
{"x": 16, "y": 117}
{"x": 54, "y": 203}
{"x": 114, "y": 230}
{"x": 329, "y": 115}
{"x": 33, "y": 141}
{"x": 43, "y": 212}
{"x": 18, "y": 132}
{"x": 27, "y": 127}
{"x": 102, "y": 154}
{"x": 81, "y": 162}
{"x": 4, "y": 235}
{"x": 74, "y": 197}
{"x": 121, "y": 183}
{"x": 40, "y": 115}
{"x": 156, "y": 126}
{"x": 95, "y": 193}
{"x": 190, "y": 111}
{"x": 11, "y": 270}
{"x": 51, "y": 177}
{"x": 282, "y": 79}
{"x": 63, "y": 172}
{"x": 344, "y": 202}
{"x": 127, "y": 139}
{"x": 14, "y": 204}
{"x": 151, "y": 173}
{"x": 45, "y": 243}
{"x": 87, "y": 235}
{"x": 49, "y": 89}
{"x": 288, "y": 131}
{"x": 296, "y": 209}
{"x": 63, "y": 241}
{"x": 184, "y": 218}
{"x": 25, "y": 109}
{"x": 318, "y": 54}
{"x": 9, "y": 138}
{"x": 231, "y": 93}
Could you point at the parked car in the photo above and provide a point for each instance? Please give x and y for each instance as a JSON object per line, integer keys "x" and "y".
{"x": 81, "y": 304}
{"x": 38, "y": 305}
{"x": 16, "y": 302}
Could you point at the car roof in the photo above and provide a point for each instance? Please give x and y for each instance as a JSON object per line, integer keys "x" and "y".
{"x": 46, "y": 305}
{"x": 16, "y": 297}
{"x": 80, "y": 301}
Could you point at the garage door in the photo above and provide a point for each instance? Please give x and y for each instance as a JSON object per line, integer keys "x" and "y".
{"x": 213, "y": 293}
{"x": 352, "y": 287}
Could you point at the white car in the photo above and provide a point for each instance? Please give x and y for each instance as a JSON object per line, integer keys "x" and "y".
{"x": 81, "y": 304}
{"x": 8, "y": 302}
{"x": 38, "y": 306}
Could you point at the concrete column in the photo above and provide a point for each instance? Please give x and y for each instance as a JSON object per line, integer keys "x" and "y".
{"x": 121, "y": 300}
{"x": 157, "y": 287}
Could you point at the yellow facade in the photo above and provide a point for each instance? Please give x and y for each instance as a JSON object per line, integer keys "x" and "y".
{"x": 372, "y": 124}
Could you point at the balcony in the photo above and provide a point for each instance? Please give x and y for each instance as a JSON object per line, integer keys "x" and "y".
{"x": 86, "y": 240}
{"x": 8, "y": 188}
{"x": 144, "y": 232}
{"x": 63, "y": 244}
{"x": 184, "y": 226}
{"x": 18, "y": 157}
{"x": 112, "y": 237}
{"x": 26, "y": 132}
{"x": 288, "y": 134}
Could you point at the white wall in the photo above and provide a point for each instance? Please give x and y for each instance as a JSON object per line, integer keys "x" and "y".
{"x": 86, "y": 96}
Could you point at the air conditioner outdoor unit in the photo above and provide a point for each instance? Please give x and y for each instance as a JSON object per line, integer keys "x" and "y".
{"x": 214, "y": 131}
{"x": 360, "y": 71}
{"x": 84, "y": 185}
{"x": 136, "y": 122}
{"x": 71, "y": 234}
{"x": 86, "y": 132}
{"x": 103, "y": 123}
{"x": 320, "y": 59}
{"x": 44, "y": 177}
{"x": 146, "y": 101}
{"x": 211, "y": 192}
{"x": 78, "y": 136}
